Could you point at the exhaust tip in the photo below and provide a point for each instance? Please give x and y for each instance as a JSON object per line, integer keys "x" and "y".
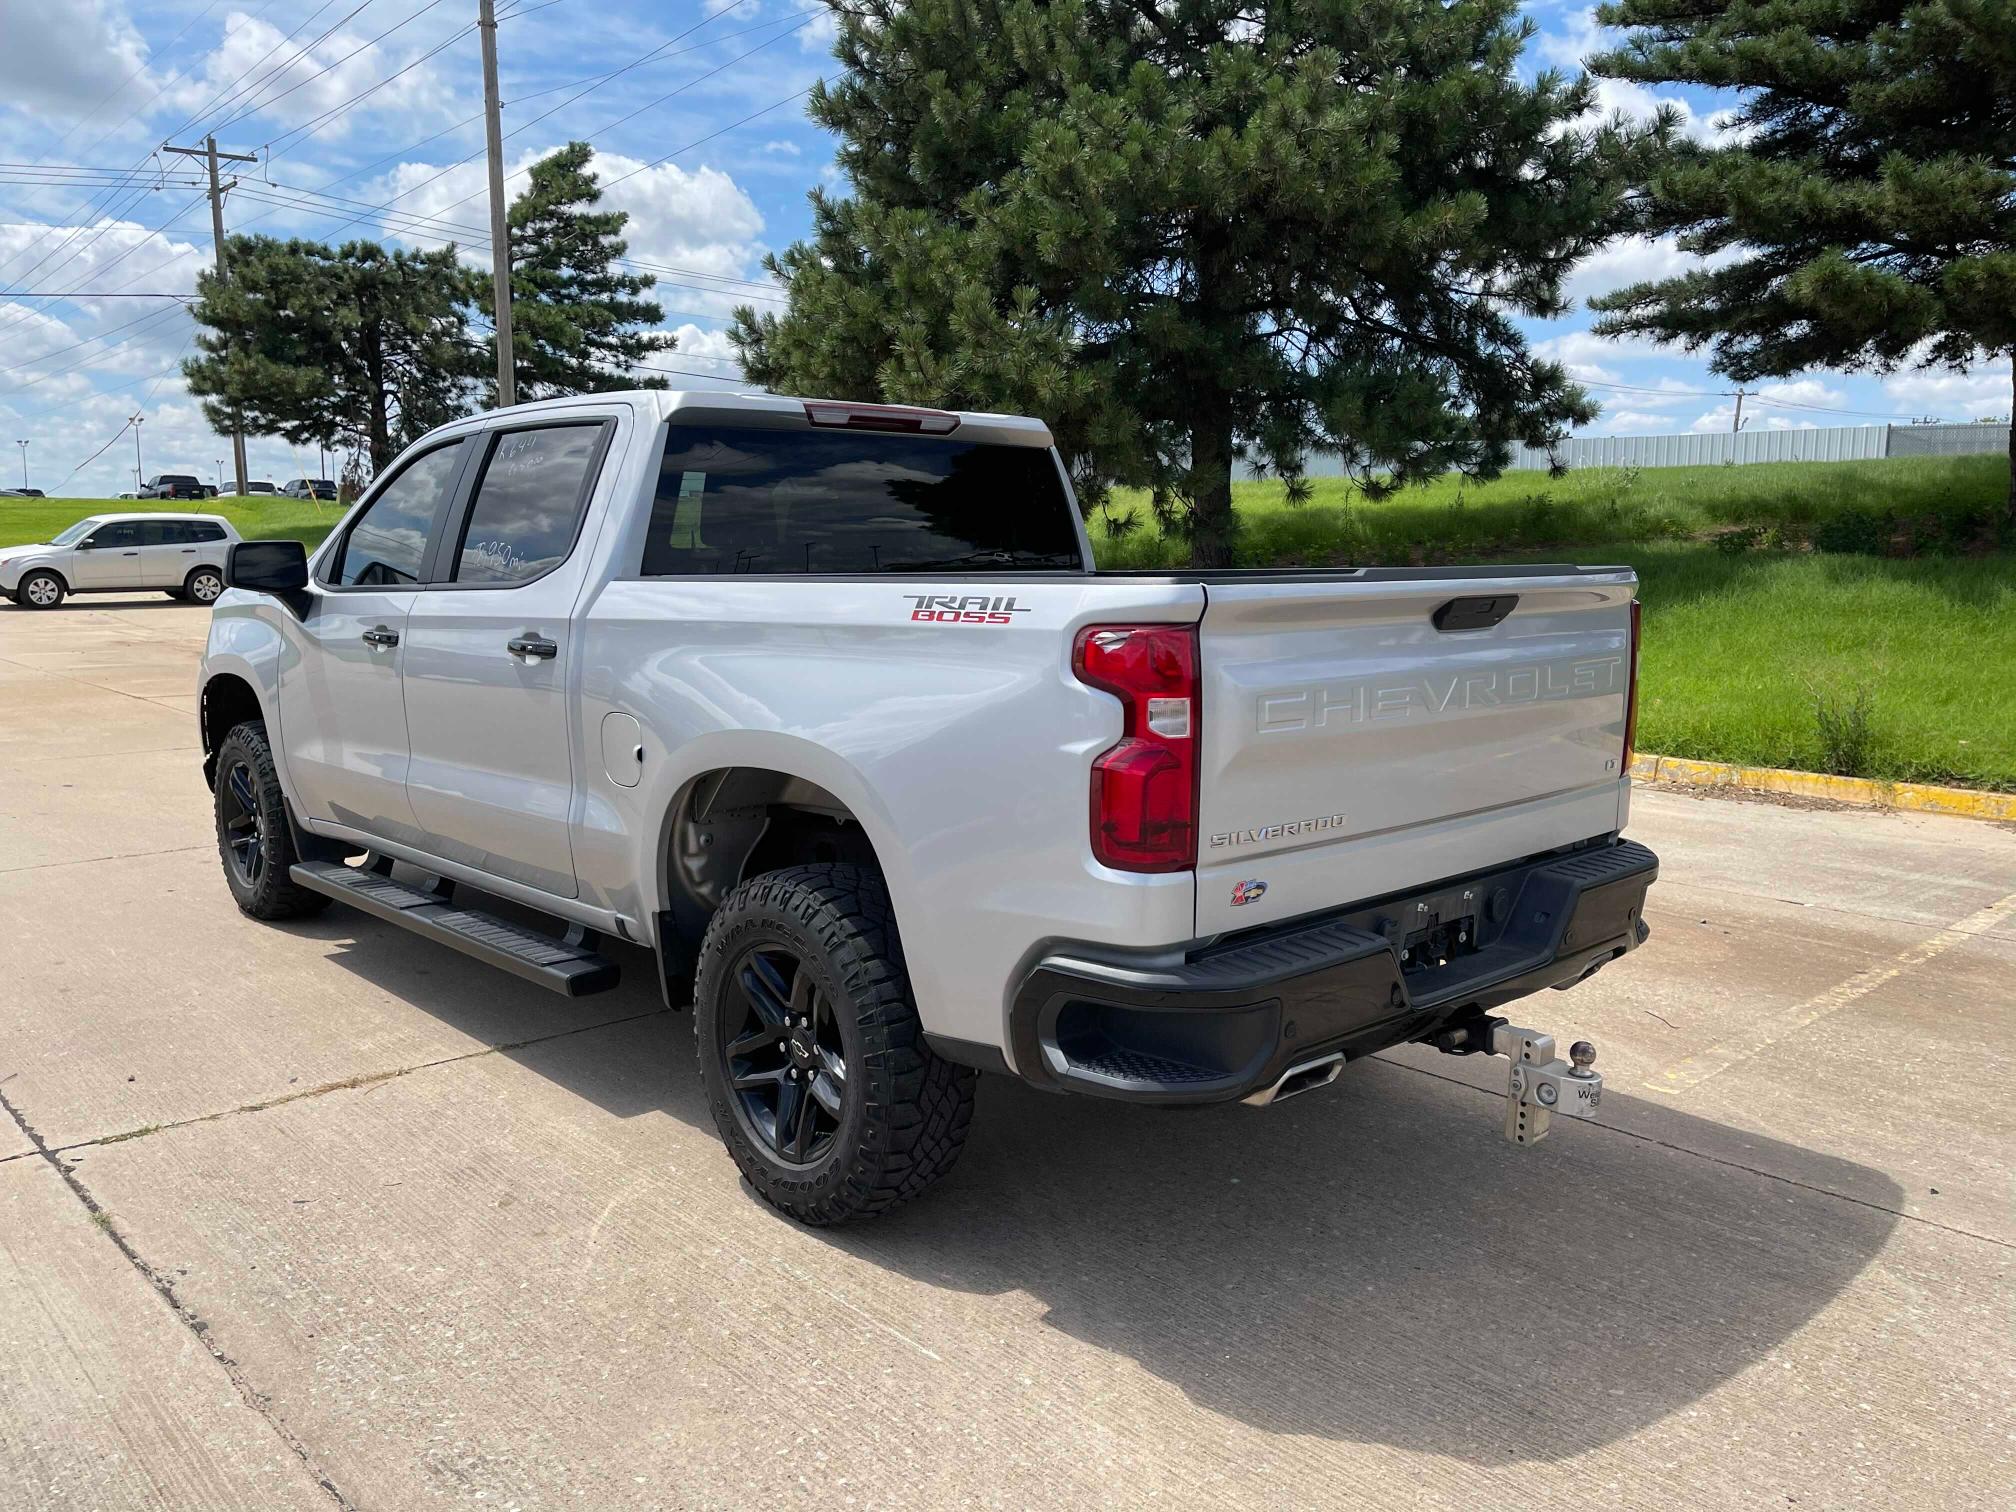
{"x": 1305, "y": 1076}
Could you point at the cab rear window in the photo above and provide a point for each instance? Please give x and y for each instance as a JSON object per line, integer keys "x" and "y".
{"x": 749, "y": 500}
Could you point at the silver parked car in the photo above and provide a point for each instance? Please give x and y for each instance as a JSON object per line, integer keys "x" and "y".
{"x": 182, "y": 555}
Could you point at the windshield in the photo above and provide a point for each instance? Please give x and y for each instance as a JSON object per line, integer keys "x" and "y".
{"x": 75, "y": 533}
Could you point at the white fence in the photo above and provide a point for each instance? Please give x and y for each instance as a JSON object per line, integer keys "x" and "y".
{"x": 1843, "y": 444}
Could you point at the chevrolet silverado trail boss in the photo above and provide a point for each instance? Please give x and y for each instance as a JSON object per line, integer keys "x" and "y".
{"x": 825, "y": 705}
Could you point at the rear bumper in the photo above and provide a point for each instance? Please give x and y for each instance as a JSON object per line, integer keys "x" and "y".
{"x": 1231, "y": 1016}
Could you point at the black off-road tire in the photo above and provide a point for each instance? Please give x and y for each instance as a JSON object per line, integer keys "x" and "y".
{"x": 55, "y": 591}
{"x": 258, "y": 854}
{"x": 904, "y": 1112}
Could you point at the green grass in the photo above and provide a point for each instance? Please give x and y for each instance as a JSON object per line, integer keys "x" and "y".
{"x": 1453, "y": 518}
{"x": 1739, "y": 649}
{"x": 25, "y": 520}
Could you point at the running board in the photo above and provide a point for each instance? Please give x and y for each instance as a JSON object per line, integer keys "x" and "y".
{"x": 570, "y": 967}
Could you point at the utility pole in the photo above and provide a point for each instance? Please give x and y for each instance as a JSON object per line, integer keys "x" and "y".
{"x": 209, "y": 152}
{"x": 1736, "y": 423}
{"x": 139, "y": 472}
{"x": 500, "y": 221}
{"x": 24, "y": 462}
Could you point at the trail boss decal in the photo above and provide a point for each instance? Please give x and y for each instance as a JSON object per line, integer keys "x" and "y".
{"x": 971, "y": 609}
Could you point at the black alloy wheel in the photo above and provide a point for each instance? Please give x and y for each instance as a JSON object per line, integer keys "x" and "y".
{"x": 786, "y": 1065}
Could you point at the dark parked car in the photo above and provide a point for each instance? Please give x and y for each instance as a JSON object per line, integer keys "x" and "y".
{"x": 311, "y": 488}
{"x": 173, "y": 486}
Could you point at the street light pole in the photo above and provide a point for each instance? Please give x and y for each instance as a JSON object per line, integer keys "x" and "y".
{"x": 24, "y": 462}
{"x": 139, "y": 471}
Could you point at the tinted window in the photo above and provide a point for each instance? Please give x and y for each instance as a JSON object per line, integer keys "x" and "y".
{"x": 162, "y": 533}
{"x": 741, "y": 499}
{"x": 125, "y": 534}
{"x": 528, "y": 506}
{"x": 198, "y": 530}
{"x": 389, "y": 541}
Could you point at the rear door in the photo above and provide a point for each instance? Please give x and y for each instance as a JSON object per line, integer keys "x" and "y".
{"x": 1365, "y": 733}
{"x": 162, "y": 543}
{"x": 490, "y": 656}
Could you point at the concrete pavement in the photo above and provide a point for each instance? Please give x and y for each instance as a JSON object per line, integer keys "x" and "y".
{"x": 322, "y": 1215}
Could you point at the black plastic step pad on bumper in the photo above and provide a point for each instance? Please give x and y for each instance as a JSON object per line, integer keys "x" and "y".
{"x": 571, "y": 970}
{"x": 1232, "y": 1014}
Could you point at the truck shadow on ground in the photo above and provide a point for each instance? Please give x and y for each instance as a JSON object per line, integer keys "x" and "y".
{"x": 1370, "y": 1263}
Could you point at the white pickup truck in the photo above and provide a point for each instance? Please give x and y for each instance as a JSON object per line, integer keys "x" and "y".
{"x": 825, "y": 705}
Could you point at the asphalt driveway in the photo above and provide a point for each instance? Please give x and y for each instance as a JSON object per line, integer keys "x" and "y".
{"x": 321, "y": 1215}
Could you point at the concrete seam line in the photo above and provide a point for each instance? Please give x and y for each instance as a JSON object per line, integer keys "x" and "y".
{"x": 1734, "y": 1165}
{"x": 1864, "y": 792}
{"x": 173, "y": 850}
{"x": 362, "y": 1081}
{"x": 1716, "y": 1059}
{"x": 163, "y": 1288}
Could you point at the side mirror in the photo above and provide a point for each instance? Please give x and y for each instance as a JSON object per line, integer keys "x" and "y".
{"x": 267, "y": 566}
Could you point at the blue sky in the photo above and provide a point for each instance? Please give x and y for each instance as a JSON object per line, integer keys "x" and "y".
{"x": 694, "y": 104}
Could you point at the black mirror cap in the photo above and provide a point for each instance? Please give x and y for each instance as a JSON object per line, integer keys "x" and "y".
{"x": 267, "y": 566}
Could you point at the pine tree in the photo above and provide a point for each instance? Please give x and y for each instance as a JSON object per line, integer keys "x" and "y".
{"x": 577, "y": 323}
{"x": 354, "y": 347}
{"x": 1865, "y": 198}
{"x": 1179, "y": 229}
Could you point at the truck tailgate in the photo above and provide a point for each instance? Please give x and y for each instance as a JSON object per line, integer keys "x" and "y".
{"x": 1364, "y": 733}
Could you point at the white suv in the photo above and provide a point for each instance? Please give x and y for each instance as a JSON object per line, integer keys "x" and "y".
{"x": 182, "y": 555}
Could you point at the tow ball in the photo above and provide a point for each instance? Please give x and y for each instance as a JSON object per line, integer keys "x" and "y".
{"x": 1540, "y": 1085}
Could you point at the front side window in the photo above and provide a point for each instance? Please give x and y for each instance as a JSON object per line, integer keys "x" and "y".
{"x": 388, "y": 544}
{"x": 528, "y": 505}
{"x": 742, "y": 499}
{"x": 124, "y": 534}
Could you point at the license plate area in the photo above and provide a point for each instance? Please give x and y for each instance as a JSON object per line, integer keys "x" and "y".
{"x": 1433, "y": 944}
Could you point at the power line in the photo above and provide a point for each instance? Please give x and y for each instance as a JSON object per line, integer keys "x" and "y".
{"x": 151, "y": 318}
{"x": 327, "y": 68}
{"x": 87, "y": 341}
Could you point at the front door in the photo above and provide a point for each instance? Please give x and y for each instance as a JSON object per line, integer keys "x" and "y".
{"x": 489, "y": 659}
{"x": 342, "y": 713}
{"x": 110, "y": 558}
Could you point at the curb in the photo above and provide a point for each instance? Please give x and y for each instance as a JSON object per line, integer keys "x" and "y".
{"x": 1918, "y": 797}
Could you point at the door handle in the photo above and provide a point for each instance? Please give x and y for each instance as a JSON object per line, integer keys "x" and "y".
{"x": 188, "y": 551}
{"x": 378, "y": 635}
{"x": 129, "y": 553}
{"x": 532, "y": 648}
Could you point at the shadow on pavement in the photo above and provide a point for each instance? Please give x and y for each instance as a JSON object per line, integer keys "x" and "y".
{"x": 1370, "y": 1263}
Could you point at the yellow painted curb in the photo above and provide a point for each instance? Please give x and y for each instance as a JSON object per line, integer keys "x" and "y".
{"x": 1968, "y": 803}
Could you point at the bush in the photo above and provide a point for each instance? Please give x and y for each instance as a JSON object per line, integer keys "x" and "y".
{"x": 1743, "y": 538}
{"x": 1862, "y": 532}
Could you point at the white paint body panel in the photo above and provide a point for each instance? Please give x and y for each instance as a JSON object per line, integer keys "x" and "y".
{"x": 964, "y": 752}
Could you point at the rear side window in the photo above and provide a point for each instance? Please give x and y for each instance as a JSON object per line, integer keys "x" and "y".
{"x": 528, "y": 506}
{"x": 161, "y": 533}
{"x": 197, "y": 530}
{"x": 739, "y": 499}
{"x": 388, "y": 544}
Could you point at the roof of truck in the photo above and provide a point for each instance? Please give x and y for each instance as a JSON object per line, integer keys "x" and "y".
{"x": 663, "y": 404}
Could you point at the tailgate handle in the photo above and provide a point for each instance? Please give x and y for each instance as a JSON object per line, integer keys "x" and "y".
{"x": 1474, "y": 613}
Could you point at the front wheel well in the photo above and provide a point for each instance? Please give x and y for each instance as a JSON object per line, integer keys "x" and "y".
{"x": 228, "y": 701}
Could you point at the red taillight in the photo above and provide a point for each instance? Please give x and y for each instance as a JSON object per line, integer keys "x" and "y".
{"x": 882, "y": 417}
{"x": 1631, "y": 694}
{"x": 1144, "y": 789}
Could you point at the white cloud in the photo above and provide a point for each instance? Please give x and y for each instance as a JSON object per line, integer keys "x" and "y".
{"x": 259, "y": 68}
{"x": 699, "y": 220}
{"x": 1634, "y": 422}
{"x": 1586, "y": 348}
{"x": 1979, "y": 393}
{"x": 66, "y": 58}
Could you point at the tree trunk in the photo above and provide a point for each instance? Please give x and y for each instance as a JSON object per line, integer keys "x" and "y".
{"x": 2009, "y": 505}
{"x": 379, "y": 438}
{"x": 1211, "y": 523}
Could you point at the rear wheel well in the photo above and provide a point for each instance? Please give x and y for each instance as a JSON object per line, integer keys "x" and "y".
{"x": 735, "y": 823}
{"x": 228, "y": 701}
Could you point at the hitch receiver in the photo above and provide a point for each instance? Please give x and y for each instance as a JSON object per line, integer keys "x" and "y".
{"x": 1540, "y": 1085}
